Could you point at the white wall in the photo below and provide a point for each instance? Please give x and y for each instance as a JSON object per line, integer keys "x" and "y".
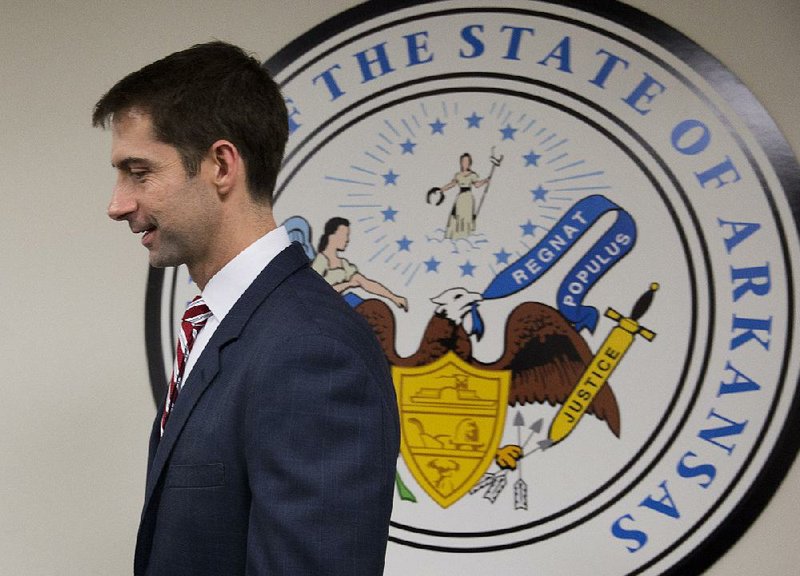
{"x": 75, "y": 407}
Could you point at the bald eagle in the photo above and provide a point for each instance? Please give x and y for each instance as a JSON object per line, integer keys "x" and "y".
{"x": 545, "y": 354}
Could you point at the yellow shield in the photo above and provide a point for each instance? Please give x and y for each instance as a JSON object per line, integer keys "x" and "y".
{"x": 451, "y": 421}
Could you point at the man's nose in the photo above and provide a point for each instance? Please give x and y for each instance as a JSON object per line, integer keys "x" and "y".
{"x": 122, "y": 203}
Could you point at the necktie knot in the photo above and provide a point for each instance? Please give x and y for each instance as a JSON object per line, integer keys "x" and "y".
{"x": 197, "y": 314}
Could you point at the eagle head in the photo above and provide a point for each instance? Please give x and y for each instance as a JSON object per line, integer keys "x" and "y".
{"x": 460, "y": 306}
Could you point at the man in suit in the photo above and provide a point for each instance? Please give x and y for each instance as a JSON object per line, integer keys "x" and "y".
{"x": 275, "y": 451}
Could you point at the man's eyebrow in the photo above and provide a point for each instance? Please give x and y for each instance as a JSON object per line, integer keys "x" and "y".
{"x": 126, "y": 163}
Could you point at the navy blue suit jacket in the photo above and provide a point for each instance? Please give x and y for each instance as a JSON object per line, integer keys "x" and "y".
{"x": 279, "y": 456}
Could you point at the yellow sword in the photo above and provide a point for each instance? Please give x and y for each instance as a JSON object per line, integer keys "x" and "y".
{"x": 602, "y": 365}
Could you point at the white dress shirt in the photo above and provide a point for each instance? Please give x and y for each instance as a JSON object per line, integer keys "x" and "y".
{"x": 228, "y": 285}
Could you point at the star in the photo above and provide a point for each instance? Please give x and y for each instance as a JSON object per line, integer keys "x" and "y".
{"x": 531, "y": 158}
{"x": 508, "y": 132}
{"x": 467, "y": 269}
{"x": 437, "y": 127}
{"x": 389, "y": 214}
{"x": 502, "y": 256}
{"x": 528, "y": 228}
{"x": 540, "y": 193}
{"x": 432, "y": 265}
{"x": 474, "y": 121}
{"x": 408, "y": 146}
{"x": 390, "y": 178}
{"x": 404, "y": 244}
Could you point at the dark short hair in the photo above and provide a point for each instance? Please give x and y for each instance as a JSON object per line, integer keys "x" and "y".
{"x": 331, "y": 226}
{"x": 203, "y": 94}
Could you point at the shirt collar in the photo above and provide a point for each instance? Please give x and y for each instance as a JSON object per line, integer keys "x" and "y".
{"x": 227, "y": 285}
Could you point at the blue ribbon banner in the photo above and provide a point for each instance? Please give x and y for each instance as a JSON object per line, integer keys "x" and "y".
{"x": 614, "y": 245}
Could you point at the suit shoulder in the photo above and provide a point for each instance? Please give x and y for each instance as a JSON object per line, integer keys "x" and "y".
{"x": 305, "y": 304}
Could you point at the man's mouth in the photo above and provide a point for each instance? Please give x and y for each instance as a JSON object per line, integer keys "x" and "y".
{"x": 147, "y": 234}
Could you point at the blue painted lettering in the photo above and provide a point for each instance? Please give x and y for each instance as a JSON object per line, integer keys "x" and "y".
{"x": 739, "y": 231}
{"x": 608, "y": 66}
{"x": 561, "y": 53}
{"x": 637, "y": 536}
{"x": 644, "y": 93}
{"x": 718, "y": 173}
{"x": 688, "y": 471}
{"x": 330, "y": 82}
{"x": 754, "y": 279}
{"x": 475, "y": 43}
{"x": 740, "y": 382}
{"x": 750, "y": 326}
{"x": 732, "y": 429}
{"x": 417, "y": 45}
{"x": 515, "y": 40}
{"x": 365, "y": 62}
{"x": 663, "y": 505}
{"x": 292, "y": 111}
{"x": 691, "y": 137}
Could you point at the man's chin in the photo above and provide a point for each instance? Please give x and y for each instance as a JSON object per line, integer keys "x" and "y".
{"x": 158, "y": 260}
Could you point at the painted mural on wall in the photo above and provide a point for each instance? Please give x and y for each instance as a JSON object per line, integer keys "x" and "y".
{"x": 578, "y": 259}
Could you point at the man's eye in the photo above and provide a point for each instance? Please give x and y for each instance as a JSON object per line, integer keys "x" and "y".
{"x": 138, "y": 175}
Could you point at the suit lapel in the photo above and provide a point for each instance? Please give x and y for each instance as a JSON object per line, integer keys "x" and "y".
{"x": 207, "y": 366}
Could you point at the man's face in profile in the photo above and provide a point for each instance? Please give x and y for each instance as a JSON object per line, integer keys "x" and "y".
{"x": 174, "y": 213}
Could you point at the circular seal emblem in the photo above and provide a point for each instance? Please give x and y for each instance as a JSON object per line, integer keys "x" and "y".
{"x": 578, "y": 255}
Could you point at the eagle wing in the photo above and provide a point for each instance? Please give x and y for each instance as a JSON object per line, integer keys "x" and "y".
{"x": 440, "y": 336}
{"x": 381, "y": 319}
{"x": 547, "y": 357}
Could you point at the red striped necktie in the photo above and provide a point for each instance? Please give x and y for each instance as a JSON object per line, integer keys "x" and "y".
{"x": 195, "y": 317}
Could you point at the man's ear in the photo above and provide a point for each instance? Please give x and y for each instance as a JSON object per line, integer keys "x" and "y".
{"x": 227, "y": 166}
